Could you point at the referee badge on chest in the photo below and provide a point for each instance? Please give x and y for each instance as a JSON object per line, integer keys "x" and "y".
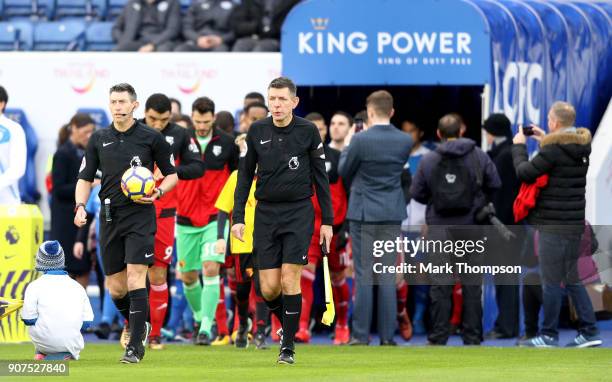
{"x": 294, "y": 163}
{"x": 217, "y": 150}
{"x": 135, "y": 161}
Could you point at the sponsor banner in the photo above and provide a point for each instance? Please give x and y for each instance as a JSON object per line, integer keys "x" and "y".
{"x": 397, "y": 42}
{"x": 21, "y": 232}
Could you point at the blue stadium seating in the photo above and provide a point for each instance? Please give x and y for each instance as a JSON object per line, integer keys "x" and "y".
{"x": 46, "y": 9}
{"x": 100, "y": 9}
{"x": 114, "y": 8}
{"x": 73, "y": 9}
{"x": 98, "y": 115}
{"x": 80, "y": 9}
{"x": 16, "y": 35}
{"x": 19, "y": 9}
{"x": 98, "y": 36}
{"x": 58, "y": 35}
{"x": 27, "y": 183}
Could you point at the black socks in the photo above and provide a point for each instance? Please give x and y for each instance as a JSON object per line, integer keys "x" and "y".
{"x": 123, "y": 306}
{"x": 292, "y": 308}
{"x": 276, "y": 307}
{"x": 139, "y": 305}
{"x": 242, "y": 302}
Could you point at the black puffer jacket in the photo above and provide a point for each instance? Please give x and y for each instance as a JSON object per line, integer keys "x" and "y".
{"x": 564, "y": 156}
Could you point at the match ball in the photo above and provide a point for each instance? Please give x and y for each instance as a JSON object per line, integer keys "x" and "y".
{"x": 137, "y": 182}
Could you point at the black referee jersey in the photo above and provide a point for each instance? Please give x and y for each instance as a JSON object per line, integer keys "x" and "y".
{"x": 185, "y": 150}
{"x": 113, "y": 152}
{"x": 290, "y": 160}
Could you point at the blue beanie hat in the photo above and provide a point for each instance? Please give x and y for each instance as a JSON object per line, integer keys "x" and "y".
{"x": 50, "y": 256}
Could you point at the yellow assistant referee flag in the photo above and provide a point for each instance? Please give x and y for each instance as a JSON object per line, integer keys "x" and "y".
{"x": 8, "y": 306}
{"x": 330, "y": 310}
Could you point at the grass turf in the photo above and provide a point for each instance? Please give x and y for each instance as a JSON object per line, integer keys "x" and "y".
{"x": 99, "y": 362}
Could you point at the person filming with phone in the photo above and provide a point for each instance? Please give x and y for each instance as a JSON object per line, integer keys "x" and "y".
{"x": 558, "y": 216}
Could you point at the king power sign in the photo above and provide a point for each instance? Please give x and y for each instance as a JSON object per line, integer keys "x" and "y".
{"x": 322, "y": 46}
{"x": 396, "y": 44}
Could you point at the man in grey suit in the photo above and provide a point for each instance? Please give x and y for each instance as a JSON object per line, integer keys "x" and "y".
{"x": 373, "y": 163}
{"x": 148, "y": 26}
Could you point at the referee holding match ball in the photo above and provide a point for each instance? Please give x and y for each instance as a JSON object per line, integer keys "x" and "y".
{"x": 289, "y": 156}
{"x": 127, "y": 228}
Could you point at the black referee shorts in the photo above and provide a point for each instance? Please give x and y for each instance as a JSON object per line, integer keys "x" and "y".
{"x": 282, "y": 233}
{"x": 128, "y": 239}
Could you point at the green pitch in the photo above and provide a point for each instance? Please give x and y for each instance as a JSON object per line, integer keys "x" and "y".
{"x": 178, "y": 363}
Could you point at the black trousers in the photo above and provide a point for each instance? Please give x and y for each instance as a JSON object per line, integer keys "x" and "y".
{"x": 441, "y": 309}
{"x": 442, "y": 289}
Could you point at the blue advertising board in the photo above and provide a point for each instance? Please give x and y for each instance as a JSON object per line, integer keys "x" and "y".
{"x": 364, "y": 42}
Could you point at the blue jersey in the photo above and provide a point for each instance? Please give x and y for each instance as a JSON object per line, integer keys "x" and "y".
{"x": 415, "y": 159}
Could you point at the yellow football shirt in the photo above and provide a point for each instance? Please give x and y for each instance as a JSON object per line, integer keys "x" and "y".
{"x": 225, "y": 203}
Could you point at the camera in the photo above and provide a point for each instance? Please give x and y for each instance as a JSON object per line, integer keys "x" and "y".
{"x": 528, "y": 130}
{"x": 487, "y": 215}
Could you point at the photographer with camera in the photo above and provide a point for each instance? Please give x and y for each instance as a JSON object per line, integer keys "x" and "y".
{"x": 559, "y": 217}
{"x": 454, "y": 182}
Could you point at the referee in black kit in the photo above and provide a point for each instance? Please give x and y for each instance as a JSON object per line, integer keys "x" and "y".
{"x": 288, "y": 153}
{"x": 127, "y": 229}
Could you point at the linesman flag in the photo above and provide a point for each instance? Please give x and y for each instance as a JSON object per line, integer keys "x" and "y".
{"x": 8, "y": 306}
{"x": 330, "y": 310}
